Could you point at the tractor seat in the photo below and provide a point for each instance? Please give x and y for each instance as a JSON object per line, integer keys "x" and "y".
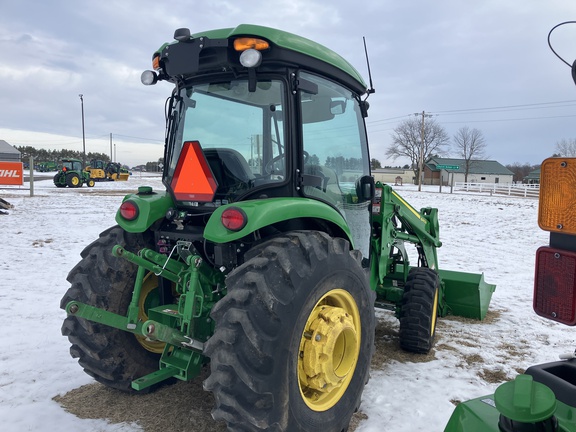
{"x": 326, "y": 177}
{"x": 322, "y": 182}
{"x": 230, "y": 170}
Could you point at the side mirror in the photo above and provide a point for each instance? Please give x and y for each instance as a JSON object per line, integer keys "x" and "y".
{"x": 365, "y": 188}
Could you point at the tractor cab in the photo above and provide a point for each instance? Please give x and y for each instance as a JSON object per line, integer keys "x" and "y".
{"x": 71, "y": 165}
{"x": 245, "y": 123}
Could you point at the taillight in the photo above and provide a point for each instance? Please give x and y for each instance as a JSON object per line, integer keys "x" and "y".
{"x": 234, "y": 218}
{"x": 555, "y": 285}
{"x": 129, "y": 210}
{"x": 555, "y": 275}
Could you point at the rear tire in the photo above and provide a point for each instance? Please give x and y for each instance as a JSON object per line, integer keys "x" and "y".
{"x": 419, "y": 311}
{"x": 294, "y": 337}
{"x": 112, "y": 357}
{"x": 58, "y": 182}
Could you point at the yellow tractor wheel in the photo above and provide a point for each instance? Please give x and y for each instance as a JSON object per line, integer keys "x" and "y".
{"x": 149, "y": 298}
{"x": 329, "y": 349}
{"x": 290, "y": 347}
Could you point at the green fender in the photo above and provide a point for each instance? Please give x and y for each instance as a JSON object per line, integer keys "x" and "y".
{"x": 152, "y": 206}
{"x": 262, "y": 213}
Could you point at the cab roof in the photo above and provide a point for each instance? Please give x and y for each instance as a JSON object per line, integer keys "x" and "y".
{"x": 288, "y": 41}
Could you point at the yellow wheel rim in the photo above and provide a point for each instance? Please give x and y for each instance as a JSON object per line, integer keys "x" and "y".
{"x": 434, "y": 313}
{"x": 329, "y": 350}
{"x": 75, "y": 181}
{"x": 149, "y": 298}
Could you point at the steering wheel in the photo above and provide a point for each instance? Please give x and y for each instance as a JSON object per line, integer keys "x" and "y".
{"x": 269, "y": 167}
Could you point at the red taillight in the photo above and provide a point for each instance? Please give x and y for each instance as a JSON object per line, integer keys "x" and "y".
{"x": 234, "y": 219}
{"x": 129, "y": 210}
{"x": 555, "y": 285}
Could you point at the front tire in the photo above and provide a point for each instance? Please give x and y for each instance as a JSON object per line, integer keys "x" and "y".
{"x": 419, "y": 311}
{"x": 113, "y": 357}
{"x": 294, "y": 337}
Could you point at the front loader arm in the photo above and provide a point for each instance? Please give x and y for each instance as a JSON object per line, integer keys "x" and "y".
{"x": 395, "y": 222}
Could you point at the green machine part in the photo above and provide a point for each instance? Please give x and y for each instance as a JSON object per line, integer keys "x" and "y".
{"x": 519, "y": 405}
{"x": 395, "y": 222}
{"x": 183, "y": 327}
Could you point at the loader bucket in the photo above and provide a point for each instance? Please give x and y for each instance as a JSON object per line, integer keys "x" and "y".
{"x": 123, "y": 177}
{"x": 466, "y": 294}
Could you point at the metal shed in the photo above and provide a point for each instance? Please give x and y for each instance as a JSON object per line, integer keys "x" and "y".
{"x": 8, "y": 153}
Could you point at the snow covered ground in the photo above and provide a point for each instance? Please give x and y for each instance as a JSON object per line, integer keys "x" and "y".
{"x": 42, "y": 237}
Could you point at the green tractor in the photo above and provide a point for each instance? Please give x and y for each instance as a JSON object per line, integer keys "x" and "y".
{"x": 271, "y": 246}
{"x": 72, "y": 175}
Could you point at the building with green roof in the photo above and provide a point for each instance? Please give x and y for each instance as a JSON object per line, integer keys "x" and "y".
{"x": 533, "y": 177}
{"x": 448, "y": 170}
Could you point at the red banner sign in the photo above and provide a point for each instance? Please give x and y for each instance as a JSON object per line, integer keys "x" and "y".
{"x": 11, "y": 173}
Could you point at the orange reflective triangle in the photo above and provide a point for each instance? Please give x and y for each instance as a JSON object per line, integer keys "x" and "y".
{"x": 193, "y": 179}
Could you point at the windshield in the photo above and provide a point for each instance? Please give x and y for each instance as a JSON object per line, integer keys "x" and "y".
{"x": 241, "y": 133}
{"x": 72, "y": 165}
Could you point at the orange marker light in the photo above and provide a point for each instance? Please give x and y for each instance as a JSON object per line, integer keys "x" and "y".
{"x": 558, "y": 195}
{"x": 193, "y": 179}
{"x": 244, "y": 43}
{"x": 156, "y": 62}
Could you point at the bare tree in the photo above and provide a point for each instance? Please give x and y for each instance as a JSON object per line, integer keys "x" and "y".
{"x": 566, "y": 147}
{"x": 470, "y": 146}
{"x": 407, "y": 141}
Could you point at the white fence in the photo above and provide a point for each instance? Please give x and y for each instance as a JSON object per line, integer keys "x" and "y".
{"x": 511, "y": 189}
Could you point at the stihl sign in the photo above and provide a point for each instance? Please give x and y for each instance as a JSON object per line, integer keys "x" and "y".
{"x": 11, "y": 173}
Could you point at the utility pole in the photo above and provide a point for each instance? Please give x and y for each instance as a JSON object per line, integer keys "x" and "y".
{"x": 83, "y": 135}
{"x": 421, "y": 158}
{"x": 111, "y": 147}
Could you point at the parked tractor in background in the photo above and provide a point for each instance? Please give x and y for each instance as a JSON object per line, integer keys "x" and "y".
{"x": 270, "y": 247}
{"x": 544, "y": 397}
{"x": 102, "y": 170}
{"x": 46, "y": 166}
{"x": 72, "y": 175}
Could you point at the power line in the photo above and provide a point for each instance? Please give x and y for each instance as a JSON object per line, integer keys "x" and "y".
{"x": 388, "y": 119}
{"x": 488, "y": 110}
{"x": 506, "y": 120}
{"x": 512, "y": 107}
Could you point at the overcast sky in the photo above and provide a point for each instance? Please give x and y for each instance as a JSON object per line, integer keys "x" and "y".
{"x": 483, "y": 64}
